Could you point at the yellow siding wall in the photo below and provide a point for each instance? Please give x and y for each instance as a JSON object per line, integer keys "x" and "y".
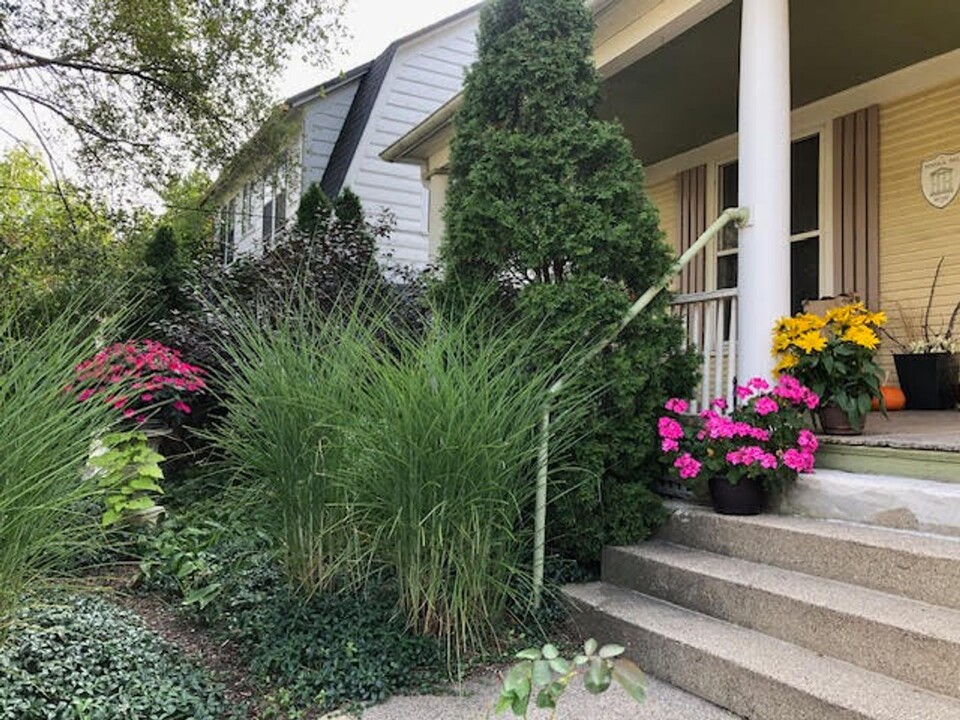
{"x": 914, "y": 235}
{"x": 664, "y": 196}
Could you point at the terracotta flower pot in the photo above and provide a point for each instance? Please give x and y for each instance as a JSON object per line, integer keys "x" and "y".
{"x": 835, "y": 421}
{"x": 747, "y": 497}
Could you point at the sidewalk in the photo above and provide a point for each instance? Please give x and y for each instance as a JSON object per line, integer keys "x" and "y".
{"x": 476, "y": 699}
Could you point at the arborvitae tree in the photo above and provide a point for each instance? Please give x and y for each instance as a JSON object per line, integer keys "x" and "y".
{"x": 314, "y": 210}
{"x": 547, "y": 201}
{"x": 162, "y": 256}
{"x": 348, "y": 209}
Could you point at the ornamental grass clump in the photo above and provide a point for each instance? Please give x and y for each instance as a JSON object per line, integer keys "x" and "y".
{"x": 400, "y": 460}
{"x": 834, "y": 355}
{"x": 766, "y": 437}
{"x": 45, "y": 439}
{"x": 290, "y": 404}
{"x": 445, "y": 471}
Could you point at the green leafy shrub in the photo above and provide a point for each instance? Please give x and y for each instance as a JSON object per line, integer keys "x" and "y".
{"x": 84, "y": 659}
{"x": 545, "y": 673}
{"x": 180, "y": 558}
{"x": 547, "y": 200}
{"x": 128, "y": 474}
{"x": 329, "y": 651}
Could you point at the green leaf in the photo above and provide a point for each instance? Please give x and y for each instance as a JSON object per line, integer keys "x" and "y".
{"x": 611, "y": 651}
{"x": 580, "y": 660}
{"x": 550, "y": 652}
{"x": 561, "y": 666}
{"x": 152, "y": 470}
{"x": 630, "y": 678}
{"x": 598, "y": 676}
{"x": 505, "y": 702}
{"x": 590, "y": 647}
{"x": 110, "y": 517}
{"x": 141, "y": 503}
{"x": 529, "y": 654}
{"x": 145, "y": 484}
{"x": 541, "y": 675}
{"x": 518, "y": 678}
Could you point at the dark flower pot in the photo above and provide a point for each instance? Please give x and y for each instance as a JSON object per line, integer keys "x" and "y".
{"x": 928, "y": 380}
{"x": 747, "y": 497}
{"x": 835, "y": 421}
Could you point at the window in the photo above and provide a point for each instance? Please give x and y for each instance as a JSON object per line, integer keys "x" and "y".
{"x": 804, "y": 223}
{"x": 246, "y": 209}
{"x": 228, "y": 227}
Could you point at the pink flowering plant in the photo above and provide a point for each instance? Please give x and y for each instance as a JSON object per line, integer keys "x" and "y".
{"x": 766, "y": 436}
{"x": 142, "y": 380}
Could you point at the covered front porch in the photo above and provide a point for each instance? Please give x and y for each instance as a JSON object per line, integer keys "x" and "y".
{"x": 819, "y": 118}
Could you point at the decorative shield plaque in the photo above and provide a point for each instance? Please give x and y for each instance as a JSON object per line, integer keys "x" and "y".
{"x": 940, "y": 179}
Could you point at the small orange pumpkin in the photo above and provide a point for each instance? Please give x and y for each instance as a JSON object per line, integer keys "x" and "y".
{"x": 893, "y": 398}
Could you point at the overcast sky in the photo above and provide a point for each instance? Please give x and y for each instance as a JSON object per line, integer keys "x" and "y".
{"x": 373, "y": 24}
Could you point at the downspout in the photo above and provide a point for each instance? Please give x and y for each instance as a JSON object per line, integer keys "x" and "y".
{"x": 737, "y": 215}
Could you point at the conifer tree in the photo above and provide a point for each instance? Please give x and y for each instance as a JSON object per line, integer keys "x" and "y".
{"x": 547, "y": 201}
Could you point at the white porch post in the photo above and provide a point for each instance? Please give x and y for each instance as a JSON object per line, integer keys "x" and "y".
{"x": 764, "y": 185}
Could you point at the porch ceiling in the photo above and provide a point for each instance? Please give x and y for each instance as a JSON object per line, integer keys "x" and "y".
{"x": 685, "y": 94}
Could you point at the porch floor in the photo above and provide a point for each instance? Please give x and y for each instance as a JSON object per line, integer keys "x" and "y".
{"x": 908, "y": 429}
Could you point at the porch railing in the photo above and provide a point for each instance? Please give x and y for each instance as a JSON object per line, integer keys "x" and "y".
{"x": 710, "y": 325}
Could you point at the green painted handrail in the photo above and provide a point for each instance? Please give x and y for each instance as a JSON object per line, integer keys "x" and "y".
{"x": 738, "y": 215}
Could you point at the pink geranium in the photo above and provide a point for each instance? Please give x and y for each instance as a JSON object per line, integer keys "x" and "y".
{"x": 677, "y": 405}
{"x": 765, "y": 437}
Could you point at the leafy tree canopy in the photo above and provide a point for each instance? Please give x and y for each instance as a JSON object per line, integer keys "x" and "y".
{"x": 51, "y": 251}
{"x": 142, "y": 86}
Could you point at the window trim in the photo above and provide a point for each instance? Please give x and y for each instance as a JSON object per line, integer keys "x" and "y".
{"x": 824, "y": 214}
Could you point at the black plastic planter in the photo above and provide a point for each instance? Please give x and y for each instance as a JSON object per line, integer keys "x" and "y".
{"x": 928, "y": 380}
{"x": 747, "y": 497}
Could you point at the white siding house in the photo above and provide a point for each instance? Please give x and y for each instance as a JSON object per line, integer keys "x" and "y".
{"x": 333, "y": 134}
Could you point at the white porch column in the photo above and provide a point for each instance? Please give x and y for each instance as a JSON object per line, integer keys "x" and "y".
{"x": 764, "y": 149}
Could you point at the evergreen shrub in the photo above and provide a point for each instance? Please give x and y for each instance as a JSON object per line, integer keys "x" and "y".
{"x": 547, "y": 200}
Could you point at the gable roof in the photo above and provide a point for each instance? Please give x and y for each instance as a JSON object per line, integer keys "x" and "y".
{"x": 370, "y": 76}
{"x": 363, "y": 104}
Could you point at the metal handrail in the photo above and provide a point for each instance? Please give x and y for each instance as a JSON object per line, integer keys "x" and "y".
{"x": 740, "y": 216}
{"x": 690, "y": 298}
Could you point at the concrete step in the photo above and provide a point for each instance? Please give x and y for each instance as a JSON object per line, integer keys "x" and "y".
{"x": 887, "y": 500}
{"x": 907, "y": 639}
{"x": 914, "y": 565}
{"x": 745, "y": 671}
{"x": 853, "y": 455}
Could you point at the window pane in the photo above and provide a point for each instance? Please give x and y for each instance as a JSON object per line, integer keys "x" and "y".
{"x": 805, "y": 185}
{"x": 804, "y": 272}
{"x": 728, "y": 199}
{"x": 267, "y": 221}
{"x": 727, "y": 271}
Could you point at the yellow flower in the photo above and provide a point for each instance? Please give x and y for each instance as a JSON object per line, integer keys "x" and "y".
{"x": 811, "y": 341}
{"x": 861, "y": 335}
{"x": 878, "y": 319}
{"x": 845, "y": 313}
{"x": 786, "y": 362}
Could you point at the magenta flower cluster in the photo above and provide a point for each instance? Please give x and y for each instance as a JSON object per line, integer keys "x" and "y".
{"x": 766, "y": 435}
{"x": 140, "y": 379}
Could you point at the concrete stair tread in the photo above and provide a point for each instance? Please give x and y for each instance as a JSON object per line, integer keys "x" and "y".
{"x": 910, "y": 564}
{"x": 907, "y": 541}
{"x": 913, "y": 616}
{"x": 899, "y": 500}
{"x": 850, "y": 691}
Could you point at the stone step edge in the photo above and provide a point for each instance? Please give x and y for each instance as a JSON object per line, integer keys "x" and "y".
{"x": 903, "y": 613}
{"x": 917, "y": 565}
{"x": 749, "y": 658}
{"x": 884, "y": 633}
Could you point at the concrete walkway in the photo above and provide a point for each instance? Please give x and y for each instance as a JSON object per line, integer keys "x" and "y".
{"x": 476, "y": 698}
